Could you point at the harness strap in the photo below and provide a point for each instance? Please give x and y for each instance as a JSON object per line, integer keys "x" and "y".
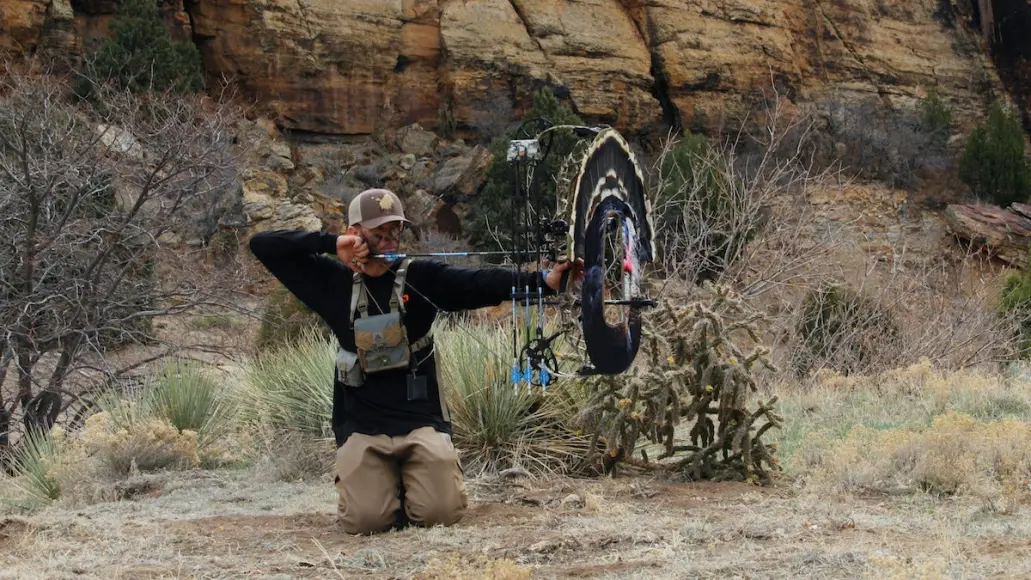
{"x": 397, "y": 298}
{"x": 360, "y": 302}
{"x": 423, "y": 342}
{"x": 358, "y": 297}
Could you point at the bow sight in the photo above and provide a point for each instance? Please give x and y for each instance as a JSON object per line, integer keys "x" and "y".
{"x": 609, "y": 228}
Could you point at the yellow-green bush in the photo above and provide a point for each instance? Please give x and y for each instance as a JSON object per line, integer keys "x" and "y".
{"x": 956, "y": 454}
{"x": 915, "y": 428}
{"x": 144, "y": 444}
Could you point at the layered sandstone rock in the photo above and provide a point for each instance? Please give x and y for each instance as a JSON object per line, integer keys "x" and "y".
{"x": 362, "y": 66}
{"x": 21, "y": 24}
{"x": 365, "y": 66}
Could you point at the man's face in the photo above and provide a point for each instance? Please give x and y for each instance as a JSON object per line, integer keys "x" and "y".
{"x": 384, "y": 238}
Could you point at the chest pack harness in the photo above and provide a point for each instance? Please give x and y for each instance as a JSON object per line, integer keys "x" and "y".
{"x": 381, "y": 340}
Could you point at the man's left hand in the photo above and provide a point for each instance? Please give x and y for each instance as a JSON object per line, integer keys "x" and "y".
{"x": 554, "y": 277}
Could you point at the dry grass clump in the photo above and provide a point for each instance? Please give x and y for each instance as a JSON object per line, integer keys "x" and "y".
{"x": 496, "y": 425}
{"x": 912, "y": 429}
{"x": 956, "y": 455}
{"x": 290, "y": 455}
{"x": 457, "y": 567}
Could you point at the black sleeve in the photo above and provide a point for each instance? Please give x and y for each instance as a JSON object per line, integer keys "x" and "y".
{"x": 294, "y": 258}
{"x": 450, "y": 288}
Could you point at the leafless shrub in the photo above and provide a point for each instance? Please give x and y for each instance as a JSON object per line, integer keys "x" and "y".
{"x": 740, "y": 201}
{"x": 871, "y": 141}
{"x": 843, "y": 329}
{"x": 95, "y": 197}
{"x": 908, "y": 311}
{"x": 774, "y": 250}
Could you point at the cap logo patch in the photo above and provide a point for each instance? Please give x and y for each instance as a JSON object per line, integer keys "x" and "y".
{"x": 386, "y": 202}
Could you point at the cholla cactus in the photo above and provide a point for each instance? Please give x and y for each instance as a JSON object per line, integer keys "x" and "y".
{"x": 694, "y": 374}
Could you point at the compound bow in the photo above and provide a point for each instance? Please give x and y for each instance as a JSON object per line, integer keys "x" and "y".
{"x": 609, "y": 228}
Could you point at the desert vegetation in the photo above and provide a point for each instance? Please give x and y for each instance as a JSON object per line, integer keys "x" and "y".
{"x": 770, "y": 364}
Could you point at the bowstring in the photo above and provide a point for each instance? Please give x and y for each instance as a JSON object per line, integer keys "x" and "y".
{"x": 522, "y": 249}
{"x": 485, "y": 346}
{"x": 496, "y": 354}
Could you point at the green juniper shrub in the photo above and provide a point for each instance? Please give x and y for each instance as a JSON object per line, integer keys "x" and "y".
{"x": 141, "y": 56}
{"x": 492, "y": 220}
{"x": 936, "y": 117}
{"x": 993, "y": 163}
{"x": 1015, "y": 302}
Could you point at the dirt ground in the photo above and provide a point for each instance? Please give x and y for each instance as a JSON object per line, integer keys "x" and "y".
{"x": 233, "y": 524}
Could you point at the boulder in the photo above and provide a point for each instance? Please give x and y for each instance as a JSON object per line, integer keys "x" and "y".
{"x": 462, "y": 175}
{"x": 294, "y": 216}
{"x": 262, "y": 191}
{"x": 416, "y": 140}
{"x": 120, "y": 141}
{"x": 279, "y": 163}
{"x": 1003, "y": 233}
{"x": 421, "y": 207}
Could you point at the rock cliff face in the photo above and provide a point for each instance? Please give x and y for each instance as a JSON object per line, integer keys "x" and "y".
{"x": 363, "y": 66}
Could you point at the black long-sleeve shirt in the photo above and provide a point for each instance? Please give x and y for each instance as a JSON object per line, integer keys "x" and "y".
{"x": 306, "y": 263}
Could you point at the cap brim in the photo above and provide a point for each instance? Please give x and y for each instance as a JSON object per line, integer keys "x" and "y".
{"x": 376, "y": 222}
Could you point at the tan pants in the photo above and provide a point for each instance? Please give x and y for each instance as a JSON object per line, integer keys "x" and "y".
{"x": 371, "y": 468}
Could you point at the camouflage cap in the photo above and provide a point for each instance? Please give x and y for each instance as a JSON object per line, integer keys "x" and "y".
{"x": 375, "y": 207}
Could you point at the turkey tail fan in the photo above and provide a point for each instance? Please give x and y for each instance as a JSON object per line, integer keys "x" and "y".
{"x": 609, "y": 167}
{"x": 612, "y": 231}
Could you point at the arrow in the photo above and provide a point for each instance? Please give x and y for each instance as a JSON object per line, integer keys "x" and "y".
{"x": 391, "y": 256}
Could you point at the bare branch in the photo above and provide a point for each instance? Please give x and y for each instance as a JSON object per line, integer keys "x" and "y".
{"x": 87, "y": 188}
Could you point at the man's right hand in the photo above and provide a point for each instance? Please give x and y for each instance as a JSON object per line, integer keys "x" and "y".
{"x": 352, "y": 251}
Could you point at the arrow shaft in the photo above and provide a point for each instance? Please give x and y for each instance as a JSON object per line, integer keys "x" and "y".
{"x": 401, "y": 256}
